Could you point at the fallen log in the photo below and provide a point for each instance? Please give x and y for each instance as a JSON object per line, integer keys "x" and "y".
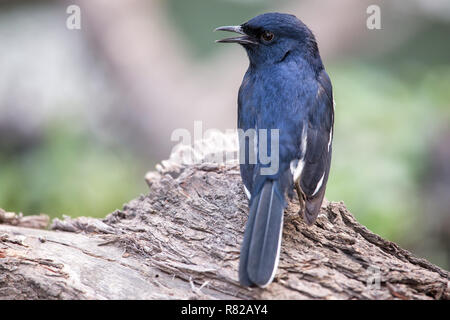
{"x": 182, "y": 241}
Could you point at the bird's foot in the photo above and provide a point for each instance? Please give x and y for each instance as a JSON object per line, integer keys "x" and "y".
{"x": 301, "y": 199}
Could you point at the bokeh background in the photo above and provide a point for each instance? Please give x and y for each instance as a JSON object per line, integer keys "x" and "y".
{"x": 85, "y": 113}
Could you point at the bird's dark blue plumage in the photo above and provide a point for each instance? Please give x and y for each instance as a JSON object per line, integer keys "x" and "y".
{"x": 285, "y": 88}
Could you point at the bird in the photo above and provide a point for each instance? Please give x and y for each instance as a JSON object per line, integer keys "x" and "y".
{"x": 287, "y": 89}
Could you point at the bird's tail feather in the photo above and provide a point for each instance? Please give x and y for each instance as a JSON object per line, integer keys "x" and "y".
{"x": 262, "y": 238}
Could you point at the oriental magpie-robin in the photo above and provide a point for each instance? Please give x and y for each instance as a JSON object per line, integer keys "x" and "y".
{"x": 285, "y": 88}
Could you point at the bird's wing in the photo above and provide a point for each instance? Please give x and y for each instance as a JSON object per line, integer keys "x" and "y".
{"x": 317, "y": 157}
{"x": 246, "y": 120}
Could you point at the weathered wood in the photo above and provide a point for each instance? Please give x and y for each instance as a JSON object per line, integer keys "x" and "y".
{"x": 182, "y": 240}
{"x": 38, "y": 222}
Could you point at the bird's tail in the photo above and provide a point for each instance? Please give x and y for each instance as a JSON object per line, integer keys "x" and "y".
{"x": 260, "y": 249}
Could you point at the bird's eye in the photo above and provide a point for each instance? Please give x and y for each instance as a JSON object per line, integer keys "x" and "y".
{"x": 267, "y": 36}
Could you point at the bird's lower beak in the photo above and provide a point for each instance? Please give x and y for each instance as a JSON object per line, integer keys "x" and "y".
{"x": 244, "y": 39}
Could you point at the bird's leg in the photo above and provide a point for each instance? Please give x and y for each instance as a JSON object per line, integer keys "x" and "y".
{"x": 301, "y": 198}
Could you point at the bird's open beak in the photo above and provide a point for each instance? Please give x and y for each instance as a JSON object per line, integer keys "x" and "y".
{"x": 244, "y": 39}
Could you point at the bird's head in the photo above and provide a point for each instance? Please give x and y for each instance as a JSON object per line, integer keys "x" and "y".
{"x": 272, "y": 37}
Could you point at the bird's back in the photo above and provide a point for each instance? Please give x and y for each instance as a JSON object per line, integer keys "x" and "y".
{"x": 278, "y": 97}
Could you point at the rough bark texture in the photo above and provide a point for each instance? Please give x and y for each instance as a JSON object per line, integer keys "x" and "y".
{"x": 182, "y": 241}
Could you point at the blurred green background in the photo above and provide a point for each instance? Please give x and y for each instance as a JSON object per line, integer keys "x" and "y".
{"x": 85, "y": 113}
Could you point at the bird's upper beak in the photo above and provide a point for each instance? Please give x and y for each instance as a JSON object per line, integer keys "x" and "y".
{"x": 244, "y": 39}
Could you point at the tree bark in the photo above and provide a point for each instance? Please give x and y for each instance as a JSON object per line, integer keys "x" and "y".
{"x": 182, "y": 241}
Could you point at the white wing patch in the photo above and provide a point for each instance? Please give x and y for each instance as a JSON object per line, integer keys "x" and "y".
{"x": 297, "y": 166}
{"x": 318, "y": 185}
{"x": 331, "y": 131}
{"x": 330, "y": 139}
{"x": 249, "y": 195}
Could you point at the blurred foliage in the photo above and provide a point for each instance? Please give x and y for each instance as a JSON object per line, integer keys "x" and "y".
{"x": 196, "y": 19}
{"x": 388, "y": 109}
{"x": 383, "y": 124}
{"x": 69, "y": 173}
